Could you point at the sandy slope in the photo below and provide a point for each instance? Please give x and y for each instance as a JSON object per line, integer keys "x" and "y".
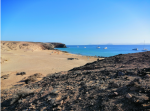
{"x": 35, "y": 61}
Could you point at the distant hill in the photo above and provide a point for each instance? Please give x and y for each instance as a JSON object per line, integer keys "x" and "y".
{"x": 20, "y": 45}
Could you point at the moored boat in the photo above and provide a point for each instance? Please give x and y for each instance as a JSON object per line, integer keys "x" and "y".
{"x": 135, "y": 49}
{"x": 145, "y": 49}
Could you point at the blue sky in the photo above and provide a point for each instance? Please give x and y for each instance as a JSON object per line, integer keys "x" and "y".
{"x": 76, "y": 22}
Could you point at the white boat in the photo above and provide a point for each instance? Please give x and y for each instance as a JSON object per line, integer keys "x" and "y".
{"x": 98, "y": 47}
{"x": 105, "y": 48}
{"x": 135, "y": 49}
{"x": 84, "y": 47}
{"x": 144, "y": 48}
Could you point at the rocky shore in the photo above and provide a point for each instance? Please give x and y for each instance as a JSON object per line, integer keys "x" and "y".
{"x": 59, "y": 45}
{"x": 117, "y": 83}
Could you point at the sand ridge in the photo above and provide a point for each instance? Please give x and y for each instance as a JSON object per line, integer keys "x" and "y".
{"x": 33, "y": 46}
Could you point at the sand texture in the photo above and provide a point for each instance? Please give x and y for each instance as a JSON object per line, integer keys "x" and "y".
{"x": 33, "y": 58}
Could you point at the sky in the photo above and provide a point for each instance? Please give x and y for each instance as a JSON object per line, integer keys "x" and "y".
{"x": 76, "y": 22}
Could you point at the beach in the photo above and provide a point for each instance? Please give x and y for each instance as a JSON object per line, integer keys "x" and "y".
{"x": 33, "y": 61}
{"x": 34, "y": 78}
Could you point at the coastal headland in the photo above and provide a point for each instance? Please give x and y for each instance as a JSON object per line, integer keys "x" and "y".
{"x": 117, "y": 83}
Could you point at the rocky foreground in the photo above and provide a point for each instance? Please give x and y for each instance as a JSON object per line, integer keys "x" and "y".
{"x": 117, "y": 83}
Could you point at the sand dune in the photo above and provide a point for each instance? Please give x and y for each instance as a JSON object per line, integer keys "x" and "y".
{"x": 33, "y": 46}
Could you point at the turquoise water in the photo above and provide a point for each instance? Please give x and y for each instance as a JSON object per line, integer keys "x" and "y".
{"x": 92, "y": 50}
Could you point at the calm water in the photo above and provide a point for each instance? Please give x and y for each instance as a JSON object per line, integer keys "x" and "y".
{"x": 92, "y": 50}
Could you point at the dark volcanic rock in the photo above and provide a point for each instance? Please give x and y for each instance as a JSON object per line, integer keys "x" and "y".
{"x": 59, "y": 45}
{"x": 5, "y": 76}
{"x": 72, "y": 58}
{"x": 118, "y": 83}
{"x": 21, "y": 73}
{"x": 33, "y": 78}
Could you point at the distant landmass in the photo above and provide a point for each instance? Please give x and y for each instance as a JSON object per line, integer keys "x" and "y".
{"x": 102, "y": 44}
{"x": 122, "y": 44}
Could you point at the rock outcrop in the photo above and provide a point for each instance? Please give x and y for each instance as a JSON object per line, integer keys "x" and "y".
{"x": 59, "y": 45}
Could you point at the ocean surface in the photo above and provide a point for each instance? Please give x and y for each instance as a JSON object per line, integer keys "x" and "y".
{"x": 92, "y": 50}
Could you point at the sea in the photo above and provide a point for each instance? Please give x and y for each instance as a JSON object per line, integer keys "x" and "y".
{"x": 112, "y": 50}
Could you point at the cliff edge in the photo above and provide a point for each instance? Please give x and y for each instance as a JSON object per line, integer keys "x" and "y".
{"x": 59, "y": 45}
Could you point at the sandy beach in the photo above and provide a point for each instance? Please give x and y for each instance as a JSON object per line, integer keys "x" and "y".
{"x": 36, "y": 61}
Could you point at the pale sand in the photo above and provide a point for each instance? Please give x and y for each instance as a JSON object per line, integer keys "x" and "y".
{"x": 32, "y": 62}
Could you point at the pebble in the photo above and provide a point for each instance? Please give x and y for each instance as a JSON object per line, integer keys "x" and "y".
{"x": 115, "y": 85}
{"x": 120, "y": 74}
{"x": 133, "y": 88}
{"x": 59, "y": 107}
{"x": 101, "y": 82}
{"x": 79, "y": 98}
{"x": 147, "y": 75}
{"x": 61, "y": 102}
{"x": 128, "y": 96}
{"x": 115, "y": 93}
{"x": 49, "y": 98}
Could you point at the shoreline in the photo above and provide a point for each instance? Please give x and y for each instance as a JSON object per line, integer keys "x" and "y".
{"x": 111, "y": 51}
{"x": 101, "y": 57}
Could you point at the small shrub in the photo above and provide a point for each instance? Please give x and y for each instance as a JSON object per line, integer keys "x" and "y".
{"x": 21, "y": 73}
{"x": 5, "y": 76}
{"x": 30, "y": 79}
{"x": 33, "y": 78}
